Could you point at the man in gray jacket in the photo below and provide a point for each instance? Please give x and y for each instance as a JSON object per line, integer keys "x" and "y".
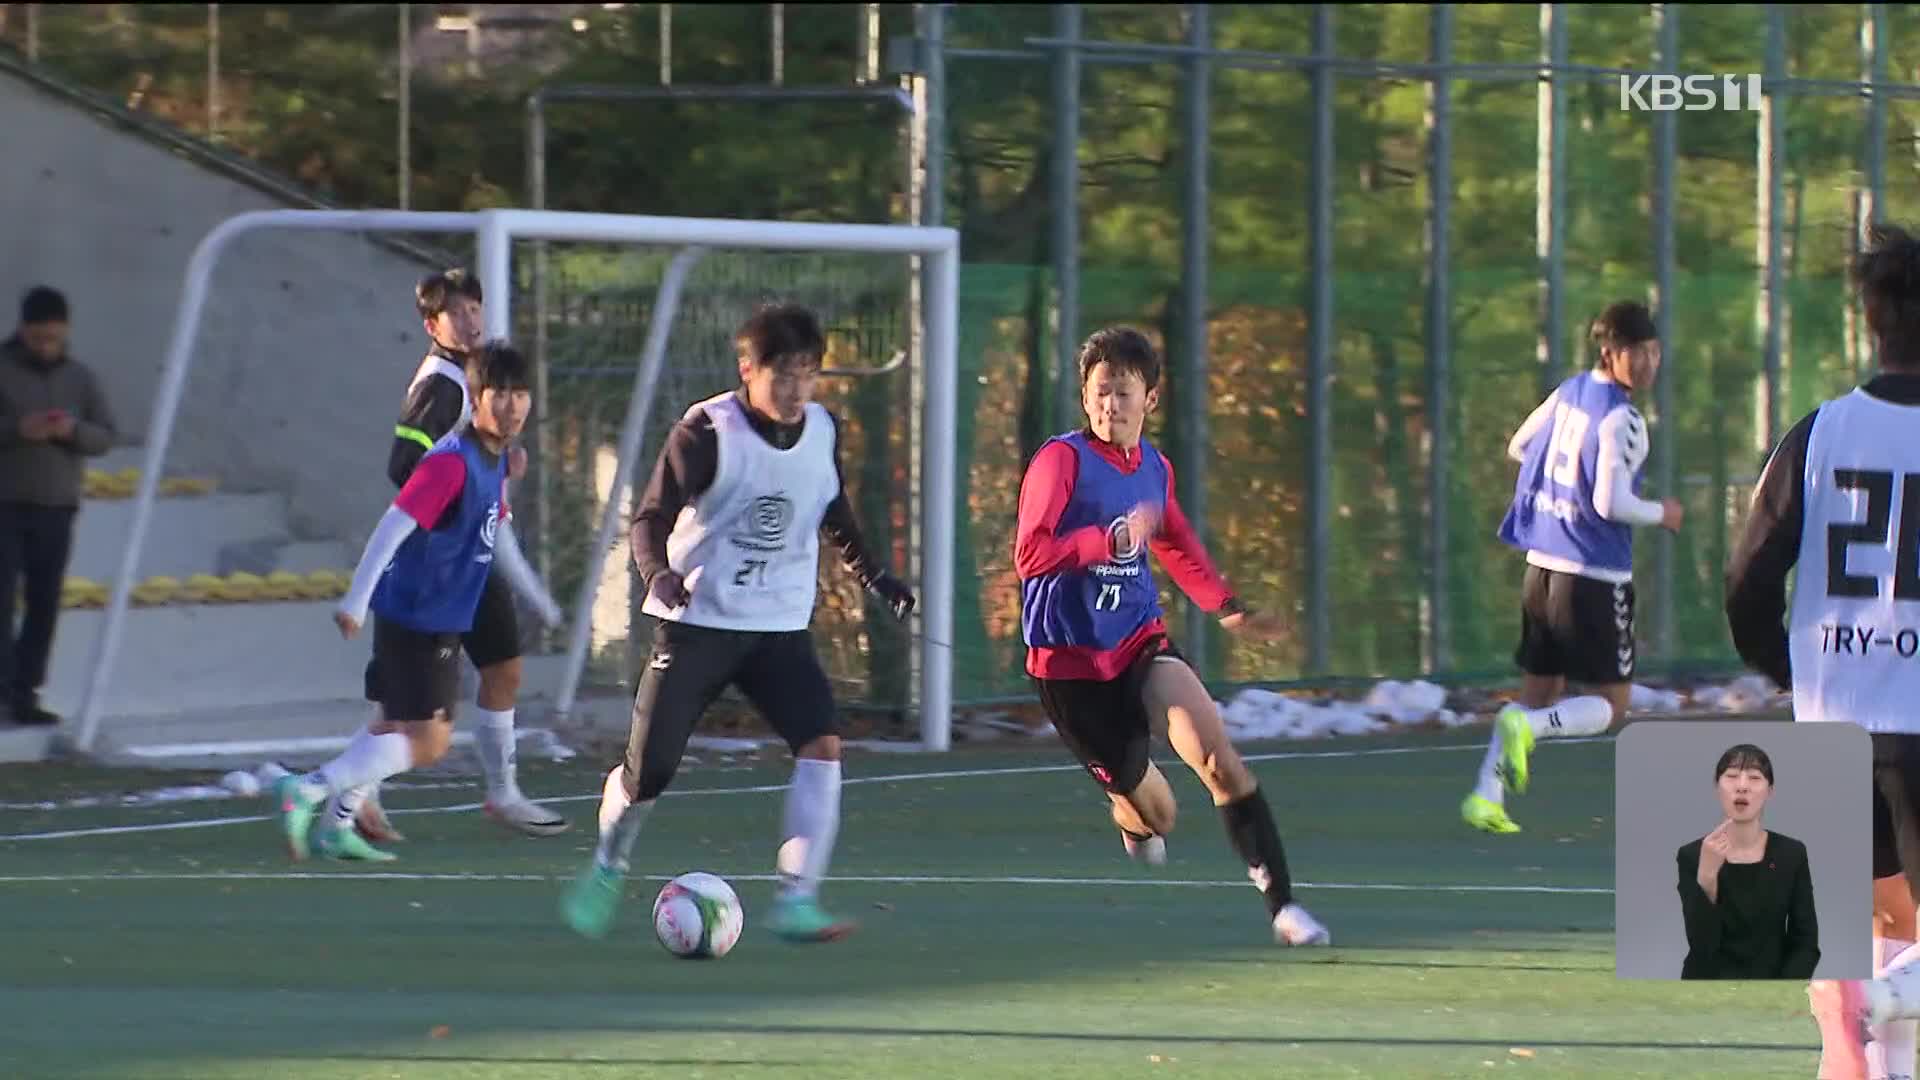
{"x": 52, "y": 417}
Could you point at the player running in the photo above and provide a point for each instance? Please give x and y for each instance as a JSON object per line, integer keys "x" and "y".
{"x": 1574, "y": 509}
{"x": 438, "y": 403}
{"x": 1840, "y": 498}
{"x": 727, "y": 541}
{"x": 423, "y": 573}
{"x": 1091, "y": 504}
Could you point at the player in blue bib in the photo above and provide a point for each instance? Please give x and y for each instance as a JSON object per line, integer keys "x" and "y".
{"x": 422, "y": 575}
{"x": 1574, "y": 507}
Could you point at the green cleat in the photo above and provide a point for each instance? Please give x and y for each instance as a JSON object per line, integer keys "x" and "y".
{"x": 801, "y": 918}
{"x": 1516, "y": 742}
{"x": 345, "y": 843}
{"x": 590, "y": 902}
{"x": 296, "y": 814}
{"x": 1486, "y": 815}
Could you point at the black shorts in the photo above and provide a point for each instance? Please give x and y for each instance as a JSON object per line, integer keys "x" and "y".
{"x": 1896, "y": 783}
{"x": 1105, "y": 724}
{"x": 413, "y": 674}
{"x": 495, "y": 637}
{"x": 1576, "y": 628}
{"x": 778, "y": 671}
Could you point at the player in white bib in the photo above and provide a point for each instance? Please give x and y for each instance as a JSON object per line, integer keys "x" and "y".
{"x": 1840, "y": 499}
{"x": 727, "y": 539}
{"x": 1574, "y": 509}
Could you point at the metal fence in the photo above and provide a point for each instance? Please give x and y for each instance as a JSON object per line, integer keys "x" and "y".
{"x": 1369, "y": 238}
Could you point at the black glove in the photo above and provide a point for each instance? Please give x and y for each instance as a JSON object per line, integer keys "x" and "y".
{"x": 894, "y": 593}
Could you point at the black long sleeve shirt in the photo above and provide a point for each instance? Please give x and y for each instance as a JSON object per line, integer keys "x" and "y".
{"x": 1757, "y": 567}
{"x": 1762, "y": 926}
{"x": 432, "y": 409}
{"x": 685, "y": 470}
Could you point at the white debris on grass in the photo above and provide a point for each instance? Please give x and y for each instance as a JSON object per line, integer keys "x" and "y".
{"x": 1252, "y": 714}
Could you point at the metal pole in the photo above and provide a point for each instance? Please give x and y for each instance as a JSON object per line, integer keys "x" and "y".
{"x": 1320, "y": 352}
{"x": 666, "y": 44}
{"x": 869, "y": 43}
{"x": 1550, "y": 207}
{"x": 1665, "y": 132}
{"x": 1439, "y": 344}
{"x": 1195, "y": 394}
{"x": 778, "y": 17}
{"x": 1066, "y": 215}
{"x": 941, "y": 422}
{"x": 927, "y": 167}
{"x": 645, "y": 381}
{"x": 213, "y": 72}
{"x": 1771, "y": 200}
{"x": 1873, "y": 47}
{"x": 33, "y": 33}
{"x": 406, "y": 105}
{"x": 545, "y": 460}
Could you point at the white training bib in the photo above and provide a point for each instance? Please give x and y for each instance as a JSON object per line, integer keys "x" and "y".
{"x": 749, "y": 547}
{"x": 440, "y": 365}
{"x": 1855, "y": 627}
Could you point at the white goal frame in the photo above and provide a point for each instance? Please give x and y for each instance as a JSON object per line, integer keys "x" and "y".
{"x": 494, "y": 232}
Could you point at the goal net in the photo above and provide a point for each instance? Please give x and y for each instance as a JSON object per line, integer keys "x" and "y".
{"x": 228, "y": 535}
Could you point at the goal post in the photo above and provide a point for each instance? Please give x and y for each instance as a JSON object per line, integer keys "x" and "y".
{"x": 493, "y": 233}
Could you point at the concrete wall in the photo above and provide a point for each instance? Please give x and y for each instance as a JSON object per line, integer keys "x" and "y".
{"x": 308, "y": 341}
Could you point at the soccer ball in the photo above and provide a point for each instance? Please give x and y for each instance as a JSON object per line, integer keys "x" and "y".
{"x": 697, "y": 917}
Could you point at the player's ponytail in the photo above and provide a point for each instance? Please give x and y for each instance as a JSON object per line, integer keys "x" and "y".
{"x": 1887, "y": 274}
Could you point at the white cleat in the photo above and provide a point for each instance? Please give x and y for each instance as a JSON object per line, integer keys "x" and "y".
{"x": 524, "y": 815}
{"x": 1149, "y": 852}
{"x": 1293, "y": 926}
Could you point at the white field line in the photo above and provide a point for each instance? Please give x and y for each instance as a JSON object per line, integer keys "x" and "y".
{"x": 866, "y": 879}
{"x": 761, "y": 789}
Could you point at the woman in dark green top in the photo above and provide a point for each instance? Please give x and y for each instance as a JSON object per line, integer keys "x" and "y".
{"x": 1746, "y": 892}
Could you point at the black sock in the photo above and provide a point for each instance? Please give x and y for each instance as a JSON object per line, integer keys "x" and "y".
{"x": 1250, "y": 827}
{"x": 1139, "y": 838}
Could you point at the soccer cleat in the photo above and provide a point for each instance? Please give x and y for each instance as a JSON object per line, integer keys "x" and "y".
{"x": 1294, "y": 926}
{"x": 590, "y": 902}
{"x": 801, "y": 918}
{"x": 1149, "y": 852}
{"x": 1840, "y": 1008}
{"x": 372, "y": 824}
{"x": 1516, "y": 742}
{"x": 521, "y": 814}
{"x": 345, "y": 843}
{"x": 296, "y": 813}
{"x": 1486, "y": 815}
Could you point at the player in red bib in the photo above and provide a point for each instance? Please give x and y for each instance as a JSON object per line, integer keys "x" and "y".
{"x": 1092, "y": 504}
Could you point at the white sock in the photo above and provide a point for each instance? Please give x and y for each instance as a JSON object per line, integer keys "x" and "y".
{"x": 1571, "y": 717}
{"x": 1890, "y": 1056}
{"x": 493, "y": 738}
{"x": 620, "y": 822}
{"x": 1489, "y": 786}
{"x": 346, "y": 804}
{"x": 808, "y": 826}
{"x": 364, "y": 761}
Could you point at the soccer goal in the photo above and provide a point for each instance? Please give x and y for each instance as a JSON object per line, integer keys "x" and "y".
{"x": 629, "y": 320}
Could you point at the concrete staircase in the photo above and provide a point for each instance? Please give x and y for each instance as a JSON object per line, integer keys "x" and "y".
{"x": 184, "y": 659}
{"x": 246, "y": 673}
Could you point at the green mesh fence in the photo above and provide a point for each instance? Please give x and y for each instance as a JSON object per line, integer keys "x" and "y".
{"x": 1257, "y": 478}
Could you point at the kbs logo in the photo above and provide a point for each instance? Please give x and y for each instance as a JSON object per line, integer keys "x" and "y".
{"x": 1665, "y": 93}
